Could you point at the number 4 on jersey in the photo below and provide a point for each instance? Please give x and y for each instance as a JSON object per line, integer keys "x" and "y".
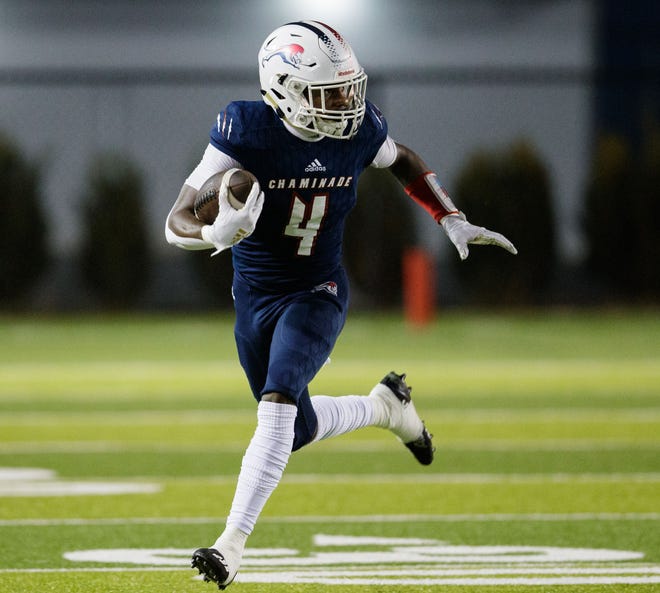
{"x": 305, "y": 222}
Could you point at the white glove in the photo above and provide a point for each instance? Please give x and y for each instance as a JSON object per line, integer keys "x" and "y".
{"x": 461, "y": 232}
{"x": 232, "y": 226}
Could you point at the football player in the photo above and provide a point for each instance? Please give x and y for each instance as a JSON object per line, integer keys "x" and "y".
{"x": 306, "y": 143}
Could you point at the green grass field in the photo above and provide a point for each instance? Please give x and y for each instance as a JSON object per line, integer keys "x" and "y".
{"x": 121, "y": 438}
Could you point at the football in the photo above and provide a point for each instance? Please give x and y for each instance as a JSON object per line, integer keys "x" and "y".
{"x": 206, "y": 203}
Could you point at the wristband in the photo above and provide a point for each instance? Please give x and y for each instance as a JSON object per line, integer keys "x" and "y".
{"x": 430, "y": 195}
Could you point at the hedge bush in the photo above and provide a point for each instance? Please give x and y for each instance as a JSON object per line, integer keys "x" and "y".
{"x": 115, "y": 252}
{"x": 622, "y": 211}
{"x": 378, "y": 230}
{"x": 23, "y": 227}
{"x": 508, "y": 191}
{"x": 215, "y": 275}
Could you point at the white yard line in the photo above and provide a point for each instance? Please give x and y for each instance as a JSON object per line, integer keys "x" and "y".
{"x": 448, "y": 415}
{"x": 517, "y": 478}
{"x": 20, "y": 368}
{"x": 645, "y": 570}
{"x": 347, "y": 446}
{"x": 410, "y": 518}
{"x": 595, "y": 576}
{"x": 403, "y": 577}
{"x": 37, "y": 482}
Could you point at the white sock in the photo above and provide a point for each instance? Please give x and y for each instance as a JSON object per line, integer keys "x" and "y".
{"x": 382, "y": 413}
{"x": 232, "y": 544}
{"x": 339, "y": 415}
{"x": 263, "y": 464}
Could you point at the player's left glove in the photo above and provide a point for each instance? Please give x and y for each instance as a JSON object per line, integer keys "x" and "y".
{"x": 461, "y": 233}
{"x": 232, "y": 226}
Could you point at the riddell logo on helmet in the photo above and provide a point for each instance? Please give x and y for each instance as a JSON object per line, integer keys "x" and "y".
{"x": 346, "y": 72}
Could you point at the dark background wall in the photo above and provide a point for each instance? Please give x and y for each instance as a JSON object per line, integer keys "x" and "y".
{"x": 147, "y": 79}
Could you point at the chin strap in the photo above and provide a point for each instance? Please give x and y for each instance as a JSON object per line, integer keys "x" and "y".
{"x": 301, "y": 133}
{"x": 430, "y": 195}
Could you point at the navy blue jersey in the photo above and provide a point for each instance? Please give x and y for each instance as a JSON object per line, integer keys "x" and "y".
{"x": 309, "y": 187}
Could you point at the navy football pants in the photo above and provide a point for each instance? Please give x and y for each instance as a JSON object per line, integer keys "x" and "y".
{"x": 283, "y": 339}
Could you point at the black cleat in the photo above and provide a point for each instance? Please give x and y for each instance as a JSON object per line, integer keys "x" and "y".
{"x": 397, "y": 385}
{"x": 421, "y": 447}
{"x": 212, "y": 565}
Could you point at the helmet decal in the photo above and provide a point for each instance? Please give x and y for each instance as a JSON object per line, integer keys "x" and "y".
{"x": 291, "y": 54}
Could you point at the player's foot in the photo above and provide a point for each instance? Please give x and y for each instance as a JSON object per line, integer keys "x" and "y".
{"x": 213, "y": 566}
{"x": 402, "y": 418}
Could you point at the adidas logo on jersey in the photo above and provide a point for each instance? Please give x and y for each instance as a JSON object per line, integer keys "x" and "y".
{"x": 314, "y": 166}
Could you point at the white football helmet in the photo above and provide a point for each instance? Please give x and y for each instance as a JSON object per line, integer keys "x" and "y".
{"x": 303, "y": 68}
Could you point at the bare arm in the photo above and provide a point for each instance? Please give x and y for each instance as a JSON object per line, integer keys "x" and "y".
{"x": 181, "y": 220}
{"x": 230, "y": 227}
{"x": 422, "y": 185}
{"x": 182, "y": 227}
{"x": 408, "y": 165}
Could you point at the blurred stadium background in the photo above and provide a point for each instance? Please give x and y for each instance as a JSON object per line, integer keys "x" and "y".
{"x": 567, "y": 91}
{"x": 541, "y": 386}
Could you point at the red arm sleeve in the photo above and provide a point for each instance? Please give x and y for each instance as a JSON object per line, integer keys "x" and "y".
{"x": 430, "y": 195}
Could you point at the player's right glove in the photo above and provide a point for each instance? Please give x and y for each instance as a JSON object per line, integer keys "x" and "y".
{"x": 232, "y": 226}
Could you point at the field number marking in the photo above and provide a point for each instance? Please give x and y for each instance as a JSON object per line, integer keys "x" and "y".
{"x": 365, "y": 560}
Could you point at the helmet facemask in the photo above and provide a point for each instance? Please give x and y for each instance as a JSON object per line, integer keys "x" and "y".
{"x": 319, "y": 109}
